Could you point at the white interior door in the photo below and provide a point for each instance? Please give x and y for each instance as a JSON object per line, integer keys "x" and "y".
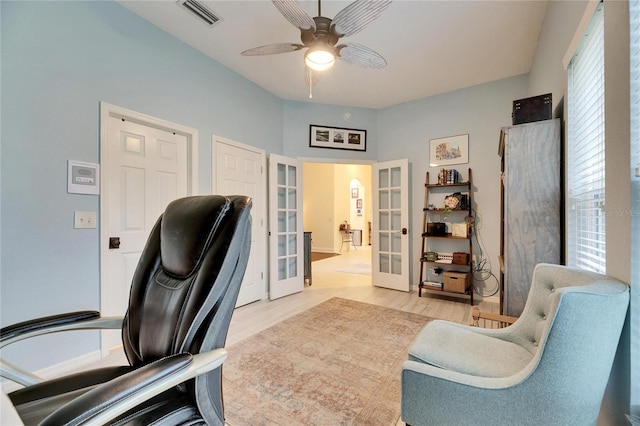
{"x": 239, "y": 171}
{"x": 144, "y": 168}
{"x": 390, "y": 227}
{"x": 286, "y": 255}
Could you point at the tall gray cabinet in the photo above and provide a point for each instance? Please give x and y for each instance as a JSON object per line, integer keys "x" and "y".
{"x": 531, "y": 207}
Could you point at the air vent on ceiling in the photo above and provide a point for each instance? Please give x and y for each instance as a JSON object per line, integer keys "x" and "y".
{"x": 201, "y": 11}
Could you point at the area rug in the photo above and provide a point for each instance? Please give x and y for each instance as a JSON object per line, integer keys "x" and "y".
{"x": 337, "y": 363}
{"x": 316, "y": 255}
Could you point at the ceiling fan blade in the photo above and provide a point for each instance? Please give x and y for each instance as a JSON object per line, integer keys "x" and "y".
{"x": 311, "y": 77}
{"x": 295, "y": 14}
{"x": 358, "y": 15}
{"x": 272, "y": 49}
{"x": 357, "y": 54}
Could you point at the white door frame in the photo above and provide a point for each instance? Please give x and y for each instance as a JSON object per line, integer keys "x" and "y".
{"x": 257, "y": 211}
{"x": 106, "y": 111}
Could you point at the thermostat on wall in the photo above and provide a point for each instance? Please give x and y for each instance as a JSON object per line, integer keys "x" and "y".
{"x": 83, "y": 178}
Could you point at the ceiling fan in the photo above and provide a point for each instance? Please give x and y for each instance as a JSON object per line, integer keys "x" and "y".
{"x": 320, "y": 36}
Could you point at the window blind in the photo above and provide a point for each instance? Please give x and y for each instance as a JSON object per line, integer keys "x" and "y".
{"x": 586, "y": 214}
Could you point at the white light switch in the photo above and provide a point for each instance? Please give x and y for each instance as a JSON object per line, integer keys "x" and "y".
{"x": 85, "y": 220}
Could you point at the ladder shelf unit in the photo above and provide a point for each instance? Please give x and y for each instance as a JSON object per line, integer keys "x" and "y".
{"x": 455, "y": 270}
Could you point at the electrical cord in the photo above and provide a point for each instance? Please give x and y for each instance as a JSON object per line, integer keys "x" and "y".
{"x": 484, "y": 272}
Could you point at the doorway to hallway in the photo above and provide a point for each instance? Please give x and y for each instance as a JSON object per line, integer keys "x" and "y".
{"x": 337, "y": 196}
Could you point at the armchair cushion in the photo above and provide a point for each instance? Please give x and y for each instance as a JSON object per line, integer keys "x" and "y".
{"x": 461, "y": 348}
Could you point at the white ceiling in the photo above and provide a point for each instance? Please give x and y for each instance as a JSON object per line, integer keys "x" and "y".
{"x": 431, "y": 47}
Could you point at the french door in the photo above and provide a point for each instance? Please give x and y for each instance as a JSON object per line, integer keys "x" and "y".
{"x": 286, "y": 257}
{"x": 390, "y": 228}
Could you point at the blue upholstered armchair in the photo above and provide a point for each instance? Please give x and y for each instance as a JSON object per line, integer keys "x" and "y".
{"x": 550, "y": 367}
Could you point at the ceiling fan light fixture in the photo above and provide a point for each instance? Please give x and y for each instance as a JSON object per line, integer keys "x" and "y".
{"x": 320, "y": 58}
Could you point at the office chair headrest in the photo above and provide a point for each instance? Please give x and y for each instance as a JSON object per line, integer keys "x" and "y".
{"x": 183, "y": 239}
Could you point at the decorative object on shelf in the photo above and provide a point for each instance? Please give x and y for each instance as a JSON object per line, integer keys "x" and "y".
{"x": 436, "y": 228}
{"x": 431, "y": 256}
{"x": 460, "y": 258}
{"x": 448, "y": 177}
{"x": 451, "y": 150}
{"x": 529, "y": 110}
{"x": 337, "y": 138}
{"x": 459, "y": 230}
{"x": 451, "y": 202}
{"x": 457, "y": 282}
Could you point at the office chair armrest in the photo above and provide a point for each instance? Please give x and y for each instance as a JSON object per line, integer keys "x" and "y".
{"x": 82, "y": 320}
{"x": 45, "y": 322}
{"x": 113, "y": 398}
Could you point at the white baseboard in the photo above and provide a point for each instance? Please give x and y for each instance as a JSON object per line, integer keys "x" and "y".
{"x": 59, "y": 369}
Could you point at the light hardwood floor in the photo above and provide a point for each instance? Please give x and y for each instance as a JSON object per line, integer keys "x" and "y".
{"x": 328, "y": 282}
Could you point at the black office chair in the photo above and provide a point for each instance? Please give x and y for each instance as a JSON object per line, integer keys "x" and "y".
{"x": 182, "y": 297}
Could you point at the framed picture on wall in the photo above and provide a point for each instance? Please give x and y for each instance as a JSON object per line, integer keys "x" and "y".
{"x": 447, "y": 151}
{"x": 337, "y": 138}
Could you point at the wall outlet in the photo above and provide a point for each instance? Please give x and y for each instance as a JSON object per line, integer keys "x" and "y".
{"x": 85, "y": 220}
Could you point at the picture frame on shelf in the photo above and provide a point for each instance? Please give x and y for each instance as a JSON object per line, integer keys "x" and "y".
{"x": 337, "y": 138}
{"x": 449, "y": 150}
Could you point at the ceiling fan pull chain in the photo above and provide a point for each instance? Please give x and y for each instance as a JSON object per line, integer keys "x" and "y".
{"x": 310, "y": 84}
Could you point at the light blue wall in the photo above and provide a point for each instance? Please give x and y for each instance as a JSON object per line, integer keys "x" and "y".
{"x": 480, "y": 112}
{"x": 298, "y": 116}
{"x": 59, "y": 60}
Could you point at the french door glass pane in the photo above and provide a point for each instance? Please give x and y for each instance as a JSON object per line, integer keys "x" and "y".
{"x": 384, "y": 242}
{"x": 282, "y": 201}
{"x": 282, "y": 269}
{"x": 396, "y": 201}
{"x": 384, "y": 221}
{"x": 292, "y": 176}
{"x": 396, "y": 243}
{"x": 383, "y": 177}
{"x": 293, "y": 267}
{"x": 396, "y": 264}
{"x": 282, "y": 222}
{"x": 384, "y": 263}
{"x": 396, "y": 221}
{"x": 292, "y": 221}
{"x": 396, "y": 177}
{"x": 383, "y": 203}
{"x": 291, "y": 202}
{"x": 292, "y": 244}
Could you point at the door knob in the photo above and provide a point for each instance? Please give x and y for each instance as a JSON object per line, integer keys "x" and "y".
{"x": 404, "y": 231}
{"x": 114, "y": 243}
